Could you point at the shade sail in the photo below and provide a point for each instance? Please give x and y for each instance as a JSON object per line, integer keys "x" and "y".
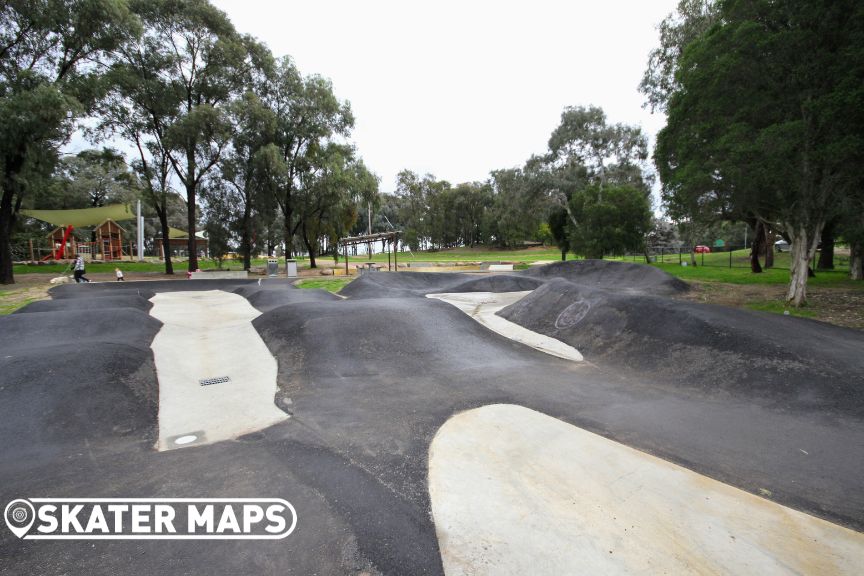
{"x": 83, "y": 216}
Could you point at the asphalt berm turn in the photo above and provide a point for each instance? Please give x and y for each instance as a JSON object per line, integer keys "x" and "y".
{"x": 773, "y": 405}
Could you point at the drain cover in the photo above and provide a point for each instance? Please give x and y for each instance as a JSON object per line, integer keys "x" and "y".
{"x": 211, "y": 381}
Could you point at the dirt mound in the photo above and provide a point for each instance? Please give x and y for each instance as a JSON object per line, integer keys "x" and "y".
{"x": 612, "y": 275}
{"x": 793, "y": 362}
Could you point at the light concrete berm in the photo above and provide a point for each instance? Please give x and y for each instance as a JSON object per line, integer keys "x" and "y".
{"x": 220, "y": 275}
{"x": 516, "y": 492}
{"x": 210, "y": 335}
{"x": 482, "y": 306}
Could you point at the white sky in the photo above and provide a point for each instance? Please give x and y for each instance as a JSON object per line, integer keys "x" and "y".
{"x": 458, "y": 89}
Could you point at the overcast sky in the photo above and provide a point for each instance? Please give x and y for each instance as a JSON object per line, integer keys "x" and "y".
{"x": 460, "y": 88}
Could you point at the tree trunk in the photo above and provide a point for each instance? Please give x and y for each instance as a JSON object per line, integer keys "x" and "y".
{"x": 856, "y": 262}
{"x": 10, "y": 202}
{"x": 6, "y": 219}
{"x": 246, "y": 237}
{"x": 756, "y": 247}
{"x": 192, "y": 245}
{"x": 826, "y": 256}
{"x": 563, "y": 254}
{"x": 166, "y": 242}
{"x": 804, "y": 244}
{"x": 288, "y": 234}
{"x": 769, "y": 247}
{"x": 191, "y": 185}
{"x": 309, "y": 248}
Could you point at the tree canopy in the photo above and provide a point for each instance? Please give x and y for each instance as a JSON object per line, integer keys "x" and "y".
{"x": 765, "y": 120}
{"x": 51, "y": 53}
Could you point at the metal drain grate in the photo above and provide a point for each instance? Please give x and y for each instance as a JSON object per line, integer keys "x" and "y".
{"x": 211, "y": 381}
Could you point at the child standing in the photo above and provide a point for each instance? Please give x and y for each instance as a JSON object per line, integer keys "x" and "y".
{"x": 119, "y": 274}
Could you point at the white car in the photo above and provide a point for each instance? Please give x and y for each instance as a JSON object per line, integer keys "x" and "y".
{"x": 782, "y": 246}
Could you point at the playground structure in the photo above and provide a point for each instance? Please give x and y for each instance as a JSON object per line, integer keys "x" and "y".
{"x": 58, "y": 239}
{"x": 107, "y": 234}
{"x": 108, "y": 244}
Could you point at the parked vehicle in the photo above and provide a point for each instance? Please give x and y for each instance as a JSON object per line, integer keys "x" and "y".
{"x": 782, "y": 246}
{"x": 703, "y": 250}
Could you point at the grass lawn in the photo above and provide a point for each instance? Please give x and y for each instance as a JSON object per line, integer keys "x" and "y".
{"x": 19, "y": 295}
{"x": 330, "y": 284}
{"x": 98, "y": 267}
{"x": 828, "y": 278}
{"x": 776, "y": 307}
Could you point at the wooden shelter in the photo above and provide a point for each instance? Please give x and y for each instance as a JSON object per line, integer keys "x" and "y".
{"x": 178, "y": 243}
{"x": 390, "y": 239}
{"x": 109, "y": 238}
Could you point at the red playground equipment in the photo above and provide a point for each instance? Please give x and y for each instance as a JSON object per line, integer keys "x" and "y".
{"x": 58, "y": 238}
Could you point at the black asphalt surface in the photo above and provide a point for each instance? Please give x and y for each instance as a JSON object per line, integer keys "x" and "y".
{"x": 771, "y": 404}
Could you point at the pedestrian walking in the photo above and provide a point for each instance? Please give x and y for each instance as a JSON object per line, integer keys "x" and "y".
{"x": 79, "y": 269}
{"x": 119, "y": 274}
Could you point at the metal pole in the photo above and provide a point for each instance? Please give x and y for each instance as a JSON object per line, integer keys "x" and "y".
{"x": 395, "y": 252}
{"x": 140, "y": 221}
{"x": 730, "y": 257}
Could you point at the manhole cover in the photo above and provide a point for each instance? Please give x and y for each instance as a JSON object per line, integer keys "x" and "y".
{"x": 211, "y": 381}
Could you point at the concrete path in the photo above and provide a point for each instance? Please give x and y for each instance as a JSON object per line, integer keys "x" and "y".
{"x": 209, "y": 336}
{"x": 482, "y": 306}
{"x": 514, "y": 491}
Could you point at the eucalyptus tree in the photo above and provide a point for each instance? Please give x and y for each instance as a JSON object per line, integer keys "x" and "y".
{"x": 585, "y": 137}
{"x": 246, "y": 166}
{"x": 691, "y": 20}
{"x": 517, "y": 206}
{"x": 336, "y": 190}
{"x": 178, "y": 79}
{"x": 416, "y": 196}
{"x": 308, "y": 117}
{"x": 587, "y": 158}
{"x": 98, "y": 177}
{"x": 51, "y": 57}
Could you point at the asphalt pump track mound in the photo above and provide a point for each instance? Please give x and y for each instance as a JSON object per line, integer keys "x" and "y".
{"x": 762, "y": 412}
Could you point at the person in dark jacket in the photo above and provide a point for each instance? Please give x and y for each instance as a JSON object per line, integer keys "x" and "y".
{"x": 79, "y": 269}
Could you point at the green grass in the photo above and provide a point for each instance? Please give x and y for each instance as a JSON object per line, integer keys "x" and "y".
{"x": 10, "y": 307}
{"x": 331, "y": 284}
{"x": 97, "y": 267}
{"x": 780, "y": 308}
{"x": 833, "y": 278}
